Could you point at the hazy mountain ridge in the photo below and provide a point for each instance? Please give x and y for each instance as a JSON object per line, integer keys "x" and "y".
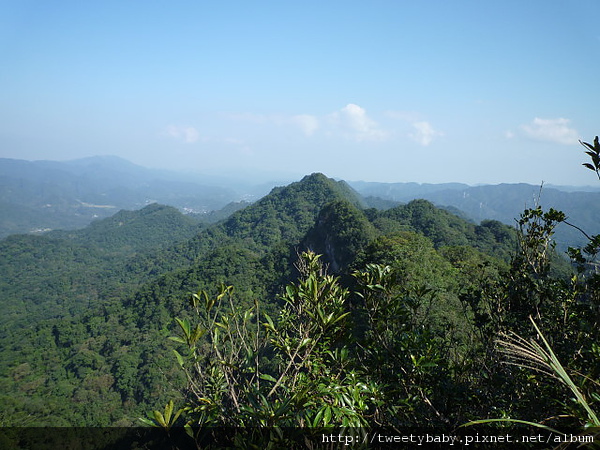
{"x": 38, "y": 196}
{"x": 503, "y": 202}
{"x": 42, "y": 195}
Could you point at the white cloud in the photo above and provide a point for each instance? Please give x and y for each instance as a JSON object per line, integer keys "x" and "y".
{"x": 350, "y": 122}
{"x": 188, "y": 135}
{"x": 551, "y": 130}
{"x": 357, "y": 125}
{"x": 423, "y": 133}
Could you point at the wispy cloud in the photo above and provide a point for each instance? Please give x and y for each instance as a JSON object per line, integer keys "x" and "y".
{"x": 350, "y": 122}
{"x": 185, "y": 134}
{"x": 551, "y": 130}
{"x": 190, "y": 135}
{"x": 355, "y": 123}
{"x": 307, "y": 123}
{"x": 422, "y": 131}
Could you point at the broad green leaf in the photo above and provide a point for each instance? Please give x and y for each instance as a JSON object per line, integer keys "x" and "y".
{"x": 317, "y": 419}
{"x": 168, "y": 412}
{"x": 266, "y": 376}
{"x": 179, "y": 357}
{"x": 269, "y": 325}
{"x": 147, "y": 422}
{"x": 159, "y": 418}
{"x": 327, "y": 415}
{"x": 185, "y": 327}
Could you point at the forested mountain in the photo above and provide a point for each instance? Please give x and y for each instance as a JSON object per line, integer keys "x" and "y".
{"x": 86, "y": 312}
{"x": 38, "y": 196}
{"x": 412, "y": 298}
{"x": 503, "y": 202}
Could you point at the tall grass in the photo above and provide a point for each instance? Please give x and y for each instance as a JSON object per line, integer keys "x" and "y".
{"x": 539, "y": 356}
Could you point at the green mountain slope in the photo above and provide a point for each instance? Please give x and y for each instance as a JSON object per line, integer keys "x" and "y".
{"x": 130, "y": 231}
{"x": 61, "y": 273}
{"x": 287, "y": 213}
{"x": 92, "y": 350}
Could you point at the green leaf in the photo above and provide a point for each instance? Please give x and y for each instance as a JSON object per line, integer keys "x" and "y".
{"x": 168, "y": 411}
{"x": 176, "y": 416}
{"x": 185, "y": 326}
{"x": 346, "y": 401}
{"x": 316, "y": 421}
{"x": 159, "y": 418}
{"x": 523, "y": 422}
{"x": 248, "y": 315}
{"x": 304, "y": 343}
{"x": 197, "y": 334}
{"x": 327, "y": 415}
{"x": 269, "y": 325}
{"x": 147, "y": 422}
{"x": 267, "y": 377}
{"x": 209, "y": 303}
{"x": 179, "y": 357}
{"x": 291, "y": 291}
{"x": 340, "y": 317}
{"x": 194, "y": 299}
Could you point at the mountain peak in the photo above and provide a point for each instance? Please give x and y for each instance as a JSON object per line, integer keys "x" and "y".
{"x": 288, "y": 212}
{"x": 315, "y": 176}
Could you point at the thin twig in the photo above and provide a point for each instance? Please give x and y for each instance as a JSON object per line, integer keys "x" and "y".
{"x": 577, "y": 228}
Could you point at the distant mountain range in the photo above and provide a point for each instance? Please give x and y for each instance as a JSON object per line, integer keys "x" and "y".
{"x": 38, "y": 196}
{"x": 502, "y": 202}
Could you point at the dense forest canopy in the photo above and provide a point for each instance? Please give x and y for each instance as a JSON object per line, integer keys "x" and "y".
{"x": 403, "y": 305}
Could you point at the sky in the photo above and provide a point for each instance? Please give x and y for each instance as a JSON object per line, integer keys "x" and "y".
{"x": 422, "y": 91}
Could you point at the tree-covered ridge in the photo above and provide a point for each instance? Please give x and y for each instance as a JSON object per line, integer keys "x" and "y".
{"x": 149, "y": 228}
{"x": 445, "y": 228}
{"x": 107, "y": 346}
{"x": 287, "y": 212}
{"x": 502, "y": 202}
{"x": 340, "y": 232}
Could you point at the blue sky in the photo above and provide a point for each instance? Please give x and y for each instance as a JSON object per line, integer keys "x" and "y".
{"x": 428, "y": 91}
